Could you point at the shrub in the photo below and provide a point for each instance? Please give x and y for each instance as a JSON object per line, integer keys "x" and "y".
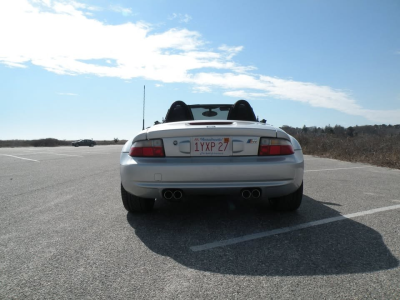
{"x": 373, "y": 149}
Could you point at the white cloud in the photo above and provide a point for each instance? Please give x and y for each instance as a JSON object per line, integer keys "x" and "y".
{"x": 123, "y": 10}
{"x": 59, "y": 37}
{"x": 14, "y": 65}
{"x": 381, "y": 116}
{"x": 182, "y": 18}
{"x": 173, "y": 16}
{"x": 305, "y": 92}
{"x": 158, "y": 85}
{"x": 185, "y": 19}
{"x": 201, "y": 89}
{"x": 231, "y": 51}
{"x": 245, "y": 95}
{"x": 65, "y": 7}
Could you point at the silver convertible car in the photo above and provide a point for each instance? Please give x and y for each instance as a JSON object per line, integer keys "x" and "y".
{"x": 211, "y": 149}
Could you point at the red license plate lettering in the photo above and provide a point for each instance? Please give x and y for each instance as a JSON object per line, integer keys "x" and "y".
{"x": 211, "y": 146}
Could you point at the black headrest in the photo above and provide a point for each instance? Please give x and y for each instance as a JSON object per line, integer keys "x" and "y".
{"x": 242, "y": 111}
{"x": 179, "y": 111}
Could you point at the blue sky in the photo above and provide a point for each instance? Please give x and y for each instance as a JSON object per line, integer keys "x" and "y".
{"x": 76, "y": 69}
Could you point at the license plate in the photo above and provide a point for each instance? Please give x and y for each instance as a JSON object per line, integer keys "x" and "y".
{"x": 211, "y": 146}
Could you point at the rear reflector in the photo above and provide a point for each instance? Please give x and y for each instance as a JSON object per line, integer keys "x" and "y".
{"x": 270, "y": 147}
{"x": 150, "y": 148}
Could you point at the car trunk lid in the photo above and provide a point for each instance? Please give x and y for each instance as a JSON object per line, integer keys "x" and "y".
{"x": 216, "y": 138}
{"x": 202, "y": 128}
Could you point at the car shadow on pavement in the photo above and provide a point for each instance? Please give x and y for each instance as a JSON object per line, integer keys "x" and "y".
{"x": 342, "y": 247}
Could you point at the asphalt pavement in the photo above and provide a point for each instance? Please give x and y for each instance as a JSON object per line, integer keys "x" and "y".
{"x": 64, "y": 234}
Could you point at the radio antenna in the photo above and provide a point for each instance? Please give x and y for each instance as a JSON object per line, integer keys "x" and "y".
{"x": 144, "y": 102}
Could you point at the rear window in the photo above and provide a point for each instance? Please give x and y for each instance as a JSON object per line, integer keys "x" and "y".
{"x": 210, "y": 112}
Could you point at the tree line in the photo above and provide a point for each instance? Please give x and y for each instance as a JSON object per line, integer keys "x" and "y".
{"x": 338, "y": 130}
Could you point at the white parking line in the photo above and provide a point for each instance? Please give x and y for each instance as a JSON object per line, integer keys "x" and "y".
{"x": 339, "y": 169}
{"x": 20, "y": 157}
{"x": 78, "y": 152}
{"x": 98, "y": 152}
{"x": 371, "y": 194}
{"x": 59, "y": 154}
{"x": 71, "y": 151}
{"x": 288, "y": 229}
{"x": 31, "y": 153}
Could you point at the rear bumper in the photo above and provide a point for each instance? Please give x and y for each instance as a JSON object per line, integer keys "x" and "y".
{"x": 275, "y": 176}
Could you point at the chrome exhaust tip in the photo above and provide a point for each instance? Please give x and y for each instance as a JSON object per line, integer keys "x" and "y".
{"x": 178, "y": 194}
{"x": 256, "y": 193}
{"x": 168, "y": 194}
{"x": 246, "y": 194}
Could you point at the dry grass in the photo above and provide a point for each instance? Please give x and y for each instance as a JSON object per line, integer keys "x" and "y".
{"x": 49, "y": 142}
{"x": 377, "y": 150}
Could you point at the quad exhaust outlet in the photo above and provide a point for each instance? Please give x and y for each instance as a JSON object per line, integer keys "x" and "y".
{"x": 168, "y": 194}
{"x": 172, "y": 194}
{"x": 251, "y": 193}
{"x": 256, "y": 193}
{"x": 177, "y": 194}
{"x": 247, "y": 193}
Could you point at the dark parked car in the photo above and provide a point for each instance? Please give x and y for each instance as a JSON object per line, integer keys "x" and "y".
{"x": 89, "y": 143}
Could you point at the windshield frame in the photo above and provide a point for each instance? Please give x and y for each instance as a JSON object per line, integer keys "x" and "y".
{"x": 198, "y": 109}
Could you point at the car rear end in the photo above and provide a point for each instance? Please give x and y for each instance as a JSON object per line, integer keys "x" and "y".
{"x": 220, "y": 157}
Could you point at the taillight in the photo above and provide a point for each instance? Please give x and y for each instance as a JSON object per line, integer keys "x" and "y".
{"x": 150, "y": 148}
{"x": 270, "y": 146}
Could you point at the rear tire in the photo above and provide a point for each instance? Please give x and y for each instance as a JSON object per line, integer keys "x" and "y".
{"x": 290, "y": 202}
{"x": 133, "y": 203}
